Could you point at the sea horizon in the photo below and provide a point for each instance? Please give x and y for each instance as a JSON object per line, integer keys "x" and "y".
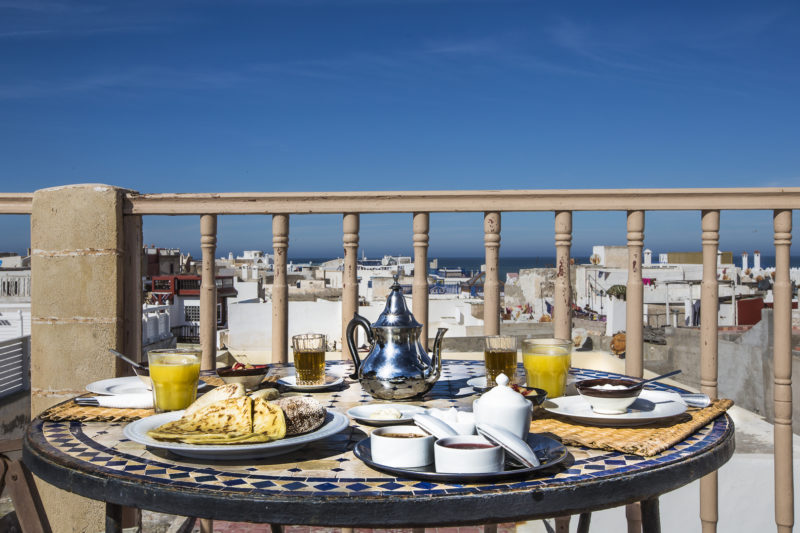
{"x": 472, "y": 264}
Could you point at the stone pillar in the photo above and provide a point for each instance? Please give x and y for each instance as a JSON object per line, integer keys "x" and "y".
{"x": 208, "y": 292}
{"x": 419, "y": 301}
{"x": 77, "y": 312}
{"x": 782, "y": 364}
{"x": 280, "y": 290}
{"x": 491, "y": 286}
{"x": 562, "y": 297}
{"x": 709, "y": 322}
{"x": 350, "y": 228}
{"x": 634, "y": 297}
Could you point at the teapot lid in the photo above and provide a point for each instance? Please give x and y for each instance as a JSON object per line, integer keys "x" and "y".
{"x": 502, "y": 396}
{"x": 396, "y": 313}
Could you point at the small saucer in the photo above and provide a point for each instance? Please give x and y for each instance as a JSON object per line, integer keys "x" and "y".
{"x": 477, "y": 383}
{"x": 291, "y": 383}
{"x": 363, "y": 413}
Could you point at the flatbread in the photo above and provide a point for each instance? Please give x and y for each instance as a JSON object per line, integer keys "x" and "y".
{"x": 250, "y": 438}
{"x": 231, "y": 390}
{"x": 268, "y": 420}
{"x": 229, "y": 418}
{"x": 233, "y": 421}
{"x": 266, "y": 394}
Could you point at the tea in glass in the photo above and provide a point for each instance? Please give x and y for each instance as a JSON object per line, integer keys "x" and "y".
{"x": 309, "y": 358}
{"x": 499, "y": 357}
{"x": 174, "y": 374}
{"x": 547, "y": 363}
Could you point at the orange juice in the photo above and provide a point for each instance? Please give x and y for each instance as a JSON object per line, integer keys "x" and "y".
{"x": 174, "y": 376}
{"x": 546, "y": 366}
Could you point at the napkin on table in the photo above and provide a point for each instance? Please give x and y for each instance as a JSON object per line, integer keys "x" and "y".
{"x": 134, "y": 400}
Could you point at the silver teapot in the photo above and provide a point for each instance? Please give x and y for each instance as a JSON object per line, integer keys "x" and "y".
{"x": 397, "y": 367}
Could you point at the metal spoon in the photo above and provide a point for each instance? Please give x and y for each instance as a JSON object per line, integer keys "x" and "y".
{"x": 662, "y": 376}
{"x": 695, "y": 399}
{"x": 127, "y": 359}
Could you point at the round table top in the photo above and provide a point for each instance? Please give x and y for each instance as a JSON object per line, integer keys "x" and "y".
{"x": 323, "y": 483}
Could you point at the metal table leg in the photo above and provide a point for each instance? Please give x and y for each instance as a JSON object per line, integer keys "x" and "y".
{"x": 583, "y": 522}
{"x": 113, "y": 518}
{"x": 651, "y": 518}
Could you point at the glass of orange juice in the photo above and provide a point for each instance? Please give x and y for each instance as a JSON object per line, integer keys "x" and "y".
{"x": 174, "y": 373}
{"x": 547, "y": 363}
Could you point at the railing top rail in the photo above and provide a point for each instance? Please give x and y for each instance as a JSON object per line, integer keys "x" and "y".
{"x": 16, "y": 203}
{"x": 463, "y": 201}
{"x": 443, "y": 201}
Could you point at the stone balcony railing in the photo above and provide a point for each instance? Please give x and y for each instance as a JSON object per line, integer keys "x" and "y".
{"x": 90, "y": 236}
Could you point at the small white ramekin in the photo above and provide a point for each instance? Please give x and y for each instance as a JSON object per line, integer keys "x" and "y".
{"x": 401, "y": 452}
{"x": 467, "y": 461}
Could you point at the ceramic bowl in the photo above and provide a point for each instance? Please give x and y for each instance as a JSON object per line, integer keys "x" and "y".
{"x": 536, "y": 396}
{"x": 604, "y": 399}
{"x": 251, "y": 378}
{"x": 401, "y": 446}
{"x": 467, "y": 454}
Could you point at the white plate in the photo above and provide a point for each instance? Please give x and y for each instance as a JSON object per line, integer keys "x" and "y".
{"x": 126, "y": 385}
{"x": 477, "y": 383}
{"x": 363, "y": 413}
{"x": 291, "y": 382}
{"x": 137, "y": 432}
{"x": 650, "y": 406}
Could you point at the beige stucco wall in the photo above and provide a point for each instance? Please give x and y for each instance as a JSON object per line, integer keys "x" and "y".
{"x": 76, "y": 314}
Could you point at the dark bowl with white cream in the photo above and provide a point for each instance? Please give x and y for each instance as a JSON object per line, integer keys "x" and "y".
{"x": 609, "y": 396}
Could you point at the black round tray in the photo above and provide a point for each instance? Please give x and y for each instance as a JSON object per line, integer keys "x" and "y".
{"x": 549, "y": 451}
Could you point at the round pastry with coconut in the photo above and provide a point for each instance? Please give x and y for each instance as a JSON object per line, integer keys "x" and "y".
{"x": 302, "y": 413}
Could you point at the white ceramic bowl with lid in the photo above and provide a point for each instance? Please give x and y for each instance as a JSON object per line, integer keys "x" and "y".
{"x": 503, "y": 407}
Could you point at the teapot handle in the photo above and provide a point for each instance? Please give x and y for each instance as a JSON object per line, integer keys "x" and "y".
{"x": 358, "y": 320}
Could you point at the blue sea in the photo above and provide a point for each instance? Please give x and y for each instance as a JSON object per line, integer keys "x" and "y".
{"x": 472, "y": 265}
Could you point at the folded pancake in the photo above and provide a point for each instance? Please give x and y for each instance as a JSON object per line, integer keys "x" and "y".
{"x": 268, "y": 425}
{"x": 226, "y": 419}
{"x": 233, "y": 421}
{"x": 217, "y": 394}
{"x": 268, "y": 419}
{"x": 220, "y": 438}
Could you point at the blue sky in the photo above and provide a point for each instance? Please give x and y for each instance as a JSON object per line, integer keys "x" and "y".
{"x": 304, "y": 95}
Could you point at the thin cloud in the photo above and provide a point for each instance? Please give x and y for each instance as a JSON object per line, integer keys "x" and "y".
{"x": 137, "y": 78}
{"x": 21, "y": 19}
{"x": 47, "y": 7}
{"x": 24, "y": 34}
{"x": 577, "y": 40}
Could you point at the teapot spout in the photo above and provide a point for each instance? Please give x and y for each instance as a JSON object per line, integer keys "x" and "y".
{"x": 436, "y": 363}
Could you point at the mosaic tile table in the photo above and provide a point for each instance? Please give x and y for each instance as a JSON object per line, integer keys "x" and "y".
{"x": 325, "y": 484}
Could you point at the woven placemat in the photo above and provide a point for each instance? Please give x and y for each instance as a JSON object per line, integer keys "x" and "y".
{"x": 645, "y": 441}
{"x": 213, "y": 381}
{"x": 71, "y": 411}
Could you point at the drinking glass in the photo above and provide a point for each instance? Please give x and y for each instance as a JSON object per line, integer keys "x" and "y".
{"x": 309, "y": 358}
{"x": 174, "y": 373}
{"x": 547, "y": 363}
{"x": 499, "y": 357}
